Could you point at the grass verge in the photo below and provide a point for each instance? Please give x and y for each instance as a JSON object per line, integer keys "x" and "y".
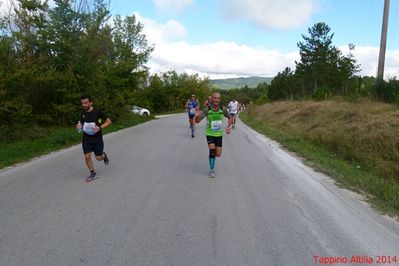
{"x": 55, "y": 138}
{"x": 381, "y": 193}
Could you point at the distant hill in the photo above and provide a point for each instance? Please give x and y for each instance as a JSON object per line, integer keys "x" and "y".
{"x": 231, "y": 83}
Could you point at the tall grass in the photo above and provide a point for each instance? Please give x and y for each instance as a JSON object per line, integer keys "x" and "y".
{"x": 362, "y": 136}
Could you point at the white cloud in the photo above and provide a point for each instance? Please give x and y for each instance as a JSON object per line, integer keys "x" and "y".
{"x": 220, "y": 59}
{"x": 7, "y": 7}
{"x": 172, "y": 6}
{"x": 274, "y": 14}
{"x": 159, "y": 34}
{"x": 229, "y": 59}
{"x": 216, "y": 60}
{"x": 367, "y": 57}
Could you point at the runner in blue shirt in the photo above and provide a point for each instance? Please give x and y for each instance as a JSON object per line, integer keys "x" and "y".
{"x": 192, "y": 105}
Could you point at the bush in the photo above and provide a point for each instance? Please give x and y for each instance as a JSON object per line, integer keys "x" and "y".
{"x": 262, "y": 100}
{"x": 387, "y": 91}
{"x": 321, "y": 93}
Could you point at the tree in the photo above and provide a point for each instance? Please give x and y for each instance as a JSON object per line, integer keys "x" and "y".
{"x": 348, "y": 66}
{"x": 169, "y": 91}
{"x": 322, "y": 65}
{"x": 318, "y": 56}
{"x": 51, "y": 54}
{"x": 284, "y": 85}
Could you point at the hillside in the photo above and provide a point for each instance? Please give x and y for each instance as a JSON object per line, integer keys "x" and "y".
{"x": 231, "y": 83}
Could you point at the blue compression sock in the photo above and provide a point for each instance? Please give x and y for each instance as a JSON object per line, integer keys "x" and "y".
{"x": 212, "y": 163}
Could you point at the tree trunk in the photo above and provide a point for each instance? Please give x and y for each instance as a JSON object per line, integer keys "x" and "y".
{"x": 315, "y": 85}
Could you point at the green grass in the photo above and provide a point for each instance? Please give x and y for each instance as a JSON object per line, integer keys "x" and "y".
{"x": 53, "y": 139}
{"x": 381, "y": 193}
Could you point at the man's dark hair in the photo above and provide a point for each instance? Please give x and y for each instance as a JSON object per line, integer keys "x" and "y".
{"x": 86, "y": 96}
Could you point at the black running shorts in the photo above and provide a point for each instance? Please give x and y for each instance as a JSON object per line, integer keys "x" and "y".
{"x": 96, "y": 146}
{"x": 218, "y": 141}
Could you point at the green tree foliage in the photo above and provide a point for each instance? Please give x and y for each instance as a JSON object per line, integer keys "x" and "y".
{"x": 347, "y": 67}
{"x": 169, "y": 91}
{"x": 262, "y": 100}
{"x": 284, "y": 85}
{"x": 318, "y": 56}
{"x": 322, "y": 71}
{"x": 365, "y": 85}
{"x": 387, "y": 91}
{"x": 49, "y": 56}
{"x": 246, "y": 94}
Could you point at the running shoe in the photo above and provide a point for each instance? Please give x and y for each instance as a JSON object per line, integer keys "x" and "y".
{"x": 91, "y": 177}
{"x": 106, "y": 159}
{"x": 212, "y": 174}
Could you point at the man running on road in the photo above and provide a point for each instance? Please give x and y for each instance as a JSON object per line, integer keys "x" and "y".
{"x": 214, "y": 128}
{"x": 92, "y": 121}
{"x": 192, "y": 105}
{"x": 233, "y": 109}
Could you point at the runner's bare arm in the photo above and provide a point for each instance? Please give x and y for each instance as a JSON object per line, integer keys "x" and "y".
{"x": 107, "y": 122}
{"x": 229, "y": 120}
{"x": 199, "y": 115}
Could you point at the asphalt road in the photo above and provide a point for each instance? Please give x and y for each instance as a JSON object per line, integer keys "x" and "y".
{"x": 155, "y": 205}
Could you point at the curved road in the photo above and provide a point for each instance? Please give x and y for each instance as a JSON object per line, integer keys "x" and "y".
{"x": 155, "y": 205}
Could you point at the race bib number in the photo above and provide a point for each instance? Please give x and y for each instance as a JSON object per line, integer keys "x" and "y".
{"x": 88, "y": 128}
{"x": 192, "y": 111}
{"x": 216, "y": 125}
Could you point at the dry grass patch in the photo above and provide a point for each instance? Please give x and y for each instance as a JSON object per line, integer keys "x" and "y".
{"x": 364, "y": 134}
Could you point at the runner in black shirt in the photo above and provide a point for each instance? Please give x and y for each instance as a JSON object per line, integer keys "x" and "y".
{"x": 92, "y": 121}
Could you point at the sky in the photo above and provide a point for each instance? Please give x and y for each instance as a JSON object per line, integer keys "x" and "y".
{"x": 240, "y": 38}
{"x": 234, "y": 38}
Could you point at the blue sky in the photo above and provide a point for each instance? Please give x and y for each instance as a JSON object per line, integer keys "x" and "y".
{"x": 213, "y": 37}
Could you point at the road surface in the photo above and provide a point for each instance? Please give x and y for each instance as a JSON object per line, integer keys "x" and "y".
{"x": 155, "y": 205}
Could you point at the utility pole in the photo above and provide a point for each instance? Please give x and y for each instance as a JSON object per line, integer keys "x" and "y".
{"x": 383, "y": 43}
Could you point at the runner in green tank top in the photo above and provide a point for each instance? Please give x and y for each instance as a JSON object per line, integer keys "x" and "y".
{"x": 215, "y": 114}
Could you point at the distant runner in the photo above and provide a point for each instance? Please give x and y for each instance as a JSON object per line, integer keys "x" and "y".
{"x": 92, "y": 121}
{"x": 233, "y": 109}
{"x": 214, "y": 129}
{"x": 208, "y": 101}
{"x": 192, "y": 105}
